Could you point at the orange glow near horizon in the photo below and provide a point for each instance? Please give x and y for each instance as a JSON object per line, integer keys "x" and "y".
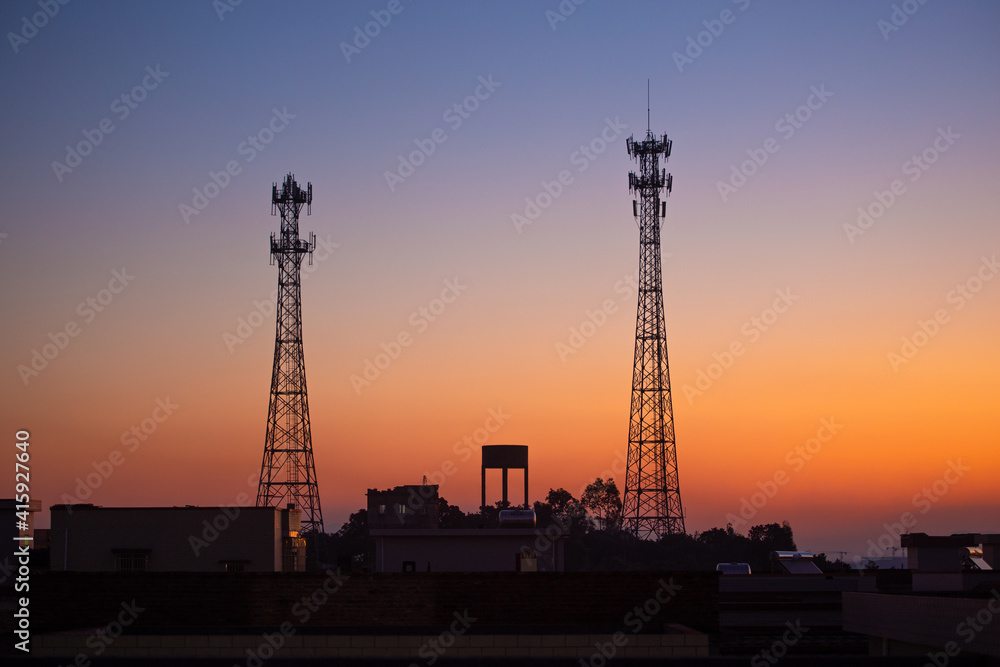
{"x": 878, "y": 450}
{"x": 889, "y": 331}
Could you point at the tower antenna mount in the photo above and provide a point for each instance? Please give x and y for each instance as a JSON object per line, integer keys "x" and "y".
{"x": 651, "y": 506}
{"x": 288, "y": 472}
{"x": 647, "y": 107}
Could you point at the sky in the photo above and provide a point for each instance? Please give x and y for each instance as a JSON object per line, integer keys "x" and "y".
{"x": 829, "y": 250}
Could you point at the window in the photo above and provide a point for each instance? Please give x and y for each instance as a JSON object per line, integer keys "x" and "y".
{"x": 234, "y": 566}
{"x": 131, "y": 561}
{"x": 381, "y": 509}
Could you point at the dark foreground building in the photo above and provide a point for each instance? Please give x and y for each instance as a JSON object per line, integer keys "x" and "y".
{"x": 89, "y": 538}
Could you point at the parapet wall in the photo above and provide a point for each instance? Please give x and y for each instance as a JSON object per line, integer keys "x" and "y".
{"x": 634, "y": 602}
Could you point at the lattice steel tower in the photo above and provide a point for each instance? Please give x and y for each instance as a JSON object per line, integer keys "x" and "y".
{"x": 652, "y": 502}
{"x": 288, "y": 473}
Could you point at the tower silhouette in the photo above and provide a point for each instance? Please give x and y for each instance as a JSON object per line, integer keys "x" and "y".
{"x": 651, "y": 506}
{"x": 288, "y": 472}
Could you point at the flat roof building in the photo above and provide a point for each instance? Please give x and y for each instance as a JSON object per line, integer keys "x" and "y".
{"x": 951, "y": 553}
{"x": 407, "y": 506}
{"x": 89, "y": 538}
{"x": 468, "y": 550}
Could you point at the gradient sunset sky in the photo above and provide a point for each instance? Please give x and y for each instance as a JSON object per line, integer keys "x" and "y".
{"x": 846, "y": 106}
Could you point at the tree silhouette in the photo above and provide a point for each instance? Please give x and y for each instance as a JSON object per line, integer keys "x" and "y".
{"x": 603, "y": 500}
{"x": 561, "y": 501}
{"x": 590, "y": 546}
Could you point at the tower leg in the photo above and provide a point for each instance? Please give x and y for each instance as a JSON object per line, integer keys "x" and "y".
{"x": 651, "y": 506}
{"x": 288, "y": 472}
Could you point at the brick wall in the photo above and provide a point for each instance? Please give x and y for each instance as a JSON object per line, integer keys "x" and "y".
{"x": 412, "y": 603}
{"x": 414, "y": 647}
